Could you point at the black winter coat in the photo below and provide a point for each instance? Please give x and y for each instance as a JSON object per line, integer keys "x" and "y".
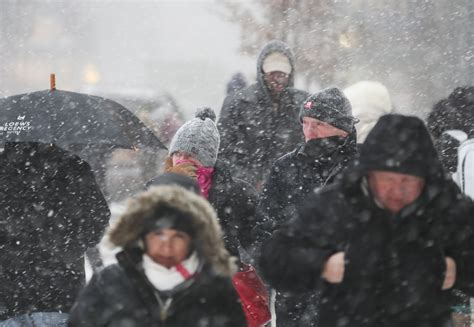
{"x": 257, "y": 129}
{"x": 394, "y": 263}
{"x": 121, "y": 295}
{"x": 51, "y": 211}
{"x": 235, "y": 203}
{"x": 295, "y": 175}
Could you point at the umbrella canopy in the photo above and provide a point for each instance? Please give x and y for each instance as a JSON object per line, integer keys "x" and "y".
{"x": 67, "y": 118}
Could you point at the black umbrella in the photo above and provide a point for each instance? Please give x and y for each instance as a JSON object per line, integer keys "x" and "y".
{"x": 67, "y": 119}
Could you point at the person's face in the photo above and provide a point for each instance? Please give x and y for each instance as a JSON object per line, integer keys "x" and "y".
{"x": 180, "y": 157}
{"x": 394, "y": 191}
{"x": 317, "y": 129}
{"x": 168, "y": 247}
{"x": 276, "y": 82}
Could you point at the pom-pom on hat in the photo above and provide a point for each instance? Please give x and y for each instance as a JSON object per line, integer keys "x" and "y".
{"x": 198, "y": 137}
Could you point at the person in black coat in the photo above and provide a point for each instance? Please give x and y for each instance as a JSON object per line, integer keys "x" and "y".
{"x": 258, "y": 124}
{"x": 173, "y": 271}
{"x": 385, "y": 245}
{"x": 330, "y": 136}
{"x": 193, "y": 152}
{"x": 51, "y": 212}
{"x": 450, "y": 122}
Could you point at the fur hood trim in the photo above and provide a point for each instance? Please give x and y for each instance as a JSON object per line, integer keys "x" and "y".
{"x": 128, "y": 229}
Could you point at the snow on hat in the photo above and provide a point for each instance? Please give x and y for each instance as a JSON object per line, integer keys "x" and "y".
{"x": 276, "y": 62}
{"x": 330, "y": 106}
{"x": 198, "y": 137}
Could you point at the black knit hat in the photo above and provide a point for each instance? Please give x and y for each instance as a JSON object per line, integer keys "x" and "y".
{"x": 174, "y": 179}
{"x": 168, "y": 217}
{"x": 330, "y": 106}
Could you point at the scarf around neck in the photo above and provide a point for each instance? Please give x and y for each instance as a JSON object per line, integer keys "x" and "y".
{"x": 204, "y": 179}
{"x": 164, "y": 279}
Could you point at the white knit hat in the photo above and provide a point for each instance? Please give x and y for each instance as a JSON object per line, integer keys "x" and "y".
{"x": 276, "y": 62}
{"x": 198, "y": 137}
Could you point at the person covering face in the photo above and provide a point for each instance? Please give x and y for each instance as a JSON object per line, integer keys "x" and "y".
{"x": 193, "y": 152}
{"x": 330, "y": 143}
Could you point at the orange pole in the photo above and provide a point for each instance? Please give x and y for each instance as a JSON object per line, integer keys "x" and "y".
{"x": 52, "y": 81}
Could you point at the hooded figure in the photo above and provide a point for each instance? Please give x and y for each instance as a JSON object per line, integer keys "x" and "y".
{"x": 330, "y": 143}
{"x": 370, "y": 100}
{"x": 173, "y": 271}
{"x": 259, "y": 123}
{"x": 51, "y": 212}
{"x": 450, "y": 122}
{"x": 236, "y": 83}
{"x": 386, "y": 244}
{"x": 193, "y": 152}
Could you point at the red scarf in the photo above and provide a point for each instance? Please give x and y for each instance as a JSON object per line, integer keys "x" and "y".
{"x": 204, "y": 179}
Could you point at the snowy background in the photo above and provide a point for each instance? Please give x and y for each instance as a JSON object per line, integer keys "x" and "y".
{"x": 189, "y": 49}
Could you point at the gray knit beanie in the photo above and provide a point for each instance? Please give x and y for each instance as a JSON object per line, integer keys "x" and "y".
{"x": 330, "y": 106}
{"x": 199, "y": 137}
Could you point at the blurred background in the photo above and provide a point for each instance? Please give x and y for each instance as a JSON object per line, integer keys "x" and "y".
{"x": 163, "y": 59}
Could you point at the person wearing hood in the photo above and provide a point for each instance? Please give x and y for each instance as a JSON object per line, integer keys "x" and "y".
{"x": 330, "y": 143}
{"x": 370, "y": 100}
{"x": 236, "y": 83}
{"x": 193, "y": 152}
{"x": 450, "y": 122}
{"x": 385, "y": 245}
{"x": 173, "y": 270}
{"x": 259, "y": 123}
{"x": 52, "y": 210}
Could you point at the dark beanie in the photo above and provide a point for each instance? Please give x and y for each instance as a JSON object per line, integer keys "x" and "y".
{"x": 168, "y": 217}
{"x": 330, "y": 106}
{"x": 174, "y": 179}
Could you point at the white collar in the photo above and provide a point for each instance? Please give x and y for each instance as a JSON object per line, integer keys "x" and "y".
{"x": 164, "y": 279}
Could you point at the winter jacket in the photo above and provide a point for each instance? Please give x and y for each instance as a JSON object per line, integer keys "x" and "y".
{"x": 122, "y": 295}
{"x": 257, "y": 129}
{"x": 394, "y": 264}
{"x": 235, "y": 202}
{"x": 51, "y": 211}
{"x": 456, "y": 113}
{"x": 310, "y": 166}
{"x": 299, "y": 173}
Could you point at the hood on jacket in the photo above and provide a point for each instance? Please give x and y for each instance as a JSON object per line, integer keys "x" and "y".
{"x": 400, "y": 144}
{"x": 370, "y": 100}
{"x": 128, "y": 230}
{"x": 271, "y": 47}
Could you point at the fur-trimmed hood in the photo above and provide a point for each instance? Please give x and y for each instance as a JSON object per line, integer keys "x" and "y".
{"x": 128, "y": 229}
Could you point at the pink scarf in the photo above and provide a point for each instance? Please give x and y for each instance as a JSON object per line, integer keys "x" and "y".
{"x": 203, "y": 176}
{"x": 204, "y": 179}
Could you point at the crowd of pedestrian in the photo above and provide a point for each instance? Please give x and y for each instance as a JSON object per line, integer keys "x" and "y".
{"x": 347, "y": 210}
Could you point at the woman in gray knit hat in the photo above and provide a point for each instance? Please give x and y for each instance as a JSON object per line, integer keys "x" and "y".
{"x": 193, "y": 152}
